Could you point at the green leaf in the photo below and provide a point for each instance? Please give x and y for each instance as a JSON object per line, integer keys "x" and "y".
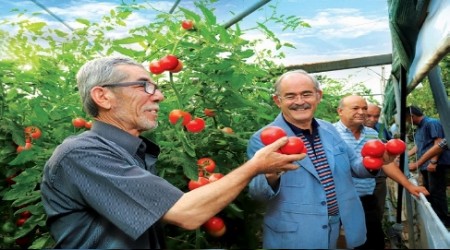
{"x": 43, "y": 242}
{"x": 209, "y": 15}
{"x": 129, "y": 40}
{"x": 83, "y": 21}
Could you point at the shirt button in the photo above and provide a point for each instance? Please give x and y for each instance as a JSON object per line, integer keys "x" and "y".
{"x": 324, "y": 226}
{"x": 323, "y": 203}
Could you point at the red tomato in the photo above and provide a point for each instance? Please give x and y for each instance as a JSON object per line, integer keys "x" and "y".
{"x": 33, "y": 132}
{"x": 78, "y": 122}
{"x": 198, "y": 183}
{"x": 395, "y": 146}
{"x": 155, "y": 67}
{"x": 21, "y": 148}
{"x": 271, "y": 134}
{"x": 207, "y": 164}
{"x": 176, "y": 114}
{"x": 88, "y": 125}
{"x": 196, "y": 125}
{"x": 21, "y": 221}
{"x": 209, "y": 112}
{"x": 25, "y": 214}
{"x": 23, "y": 241}
{"x": 169, "y": 62}
{"x": 215, "y": 176}
{"x": 372, "y": 163}
{"x": 374, "y": 148}
{"x": 178, "y": 68}
{"x": 187, "y": 24}
{"x": 218, "y": 233}
{"x": 294, "y": 145}
{"x": 214, "y": 224}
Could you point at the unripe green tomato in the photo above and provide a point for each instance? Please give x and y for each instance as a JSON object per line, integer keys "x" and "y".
{"x": 8, "y": 227}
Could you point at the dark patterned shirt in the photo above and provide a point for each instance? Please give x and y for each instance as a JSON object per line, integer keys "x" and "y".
{"x": 100, "y": 190}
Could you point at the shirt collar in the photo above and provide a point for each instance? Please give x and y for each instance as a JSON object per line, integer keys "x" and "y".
{"x": 122, "y": 138}
{"x": 297, "y": 130}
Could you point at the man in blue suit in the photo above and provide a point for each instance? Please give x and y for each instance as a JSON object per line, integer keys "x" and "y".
{"x": 305, "y": 208}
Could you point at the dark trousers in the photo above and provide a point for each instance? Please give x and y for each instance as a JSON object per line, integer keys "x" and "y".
{"x": 435, "y": 183}
{"x": 375, "y": 234}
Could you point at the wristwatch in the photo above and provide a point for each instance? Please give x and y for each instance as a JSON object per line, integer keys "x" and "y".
{"x": 433, "y": 161}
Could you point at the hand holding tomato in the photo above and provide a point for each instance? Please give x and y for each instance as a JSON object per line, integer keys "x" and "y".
{"x": 395, "y": 146}
{"x": 268, "y": 160}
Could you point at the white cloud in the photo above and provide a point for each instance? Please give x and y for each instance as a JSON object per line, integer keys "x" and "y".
{"x": 345, "y": 24}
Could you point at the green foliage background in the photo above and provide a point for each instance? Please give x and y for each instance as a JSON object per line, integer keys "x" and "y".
{"x": 37, "y": 72}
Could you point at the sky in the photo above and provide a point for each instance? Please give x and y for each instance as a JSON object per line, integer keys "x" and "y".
{"x": 339, "y": 30}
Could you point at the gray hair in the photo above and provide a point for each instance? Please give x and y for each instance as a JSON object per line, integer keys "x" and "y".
{"x": 297, "y": 71}
{"x": 98, "y": 72}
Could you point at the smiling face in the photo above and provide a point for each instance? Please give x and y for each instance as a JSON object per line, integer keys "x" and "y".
{"x": 297, "y": 96}
{"x": 130, "y": 107}
{"x": 352, "y": 111}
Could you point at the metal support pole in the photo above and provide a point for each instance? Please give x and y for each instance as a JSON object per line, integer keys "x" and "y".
{"x": 245, "y": 13}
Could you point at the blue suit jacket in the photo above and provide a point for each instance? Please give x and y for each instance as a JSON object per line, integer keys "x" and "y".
{"x": 296, "y": 214}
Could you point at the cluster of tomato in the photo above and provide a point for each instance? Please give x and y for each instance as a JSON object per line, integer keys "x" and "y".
{"x": 215, "y": 226}
{"x": 195, "y": 125}
{"x": 81, "y": 123}
{"x": 294, "y": 145}
{"x": 206, "y": 175}
{"x": 169, "y": 62}
{"x": 31, "y": 133}
{"x": 373, "y": 151}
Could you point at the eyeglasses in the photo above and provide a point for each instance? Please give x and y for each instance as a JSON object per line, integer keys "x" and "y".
{"x": 149, "y": 87}
{"x": 293, "y": 97}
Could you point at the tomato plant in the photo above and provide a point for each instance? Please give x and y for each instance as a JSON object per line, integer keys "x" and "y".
{"x": 294, "y": 145}
{"x": 207, "y": 164}
{"x": 187, "y": 24}
{"x": 196, "y": 125}
{"x": 219, "y": 76}
{"x": 374, "y": 148}
{"x": 271, "y": 134}
{"x": 395, "y": 146}
{"x": 372, "y": 163}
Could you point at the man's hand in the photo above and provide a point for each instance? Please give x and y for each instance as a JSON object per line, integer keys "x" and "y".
{"x": 415, "y": 190}
{"x": 412, "y": 166}
{"x": 268, "y": 160}
{"x": 431, "y": 167}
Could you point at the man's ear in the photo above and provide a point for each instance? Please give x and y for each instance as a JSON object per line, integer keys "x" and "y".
{"x": 101, "y": 96}
{"x": 276, "y": 99}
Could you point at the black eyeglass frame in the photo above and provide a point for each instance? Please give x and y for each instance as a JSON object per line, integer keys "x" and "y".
{"x": 149, "y": 87}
